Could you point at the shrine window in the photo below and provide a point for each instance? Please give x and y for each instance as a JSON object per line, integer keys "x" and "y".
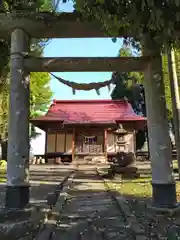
{"x": 120, "y": 138}
{"x": 90, "y": 140}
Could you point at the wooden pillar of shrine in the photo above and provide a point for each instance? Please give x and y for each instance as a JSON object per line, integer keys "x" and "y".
{"x": 134, "y": 141}
{"x": 105, "y": 145}
{"x": 17, "y": 191}
{"x": 73, "y": 144}
{"x": 46, "y": 147}
{"x": 163, "y": 184}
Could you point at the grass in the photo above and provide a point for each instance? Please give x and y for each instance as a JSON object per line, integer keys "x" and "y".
{"x": 2, "y": 175}
{"x": 3, "y": 167}
{"x": 136, "y": 189}
{"x": 140, "y": 187}
{"x": 175, "y": 164}
{"x": 138, "y": 193}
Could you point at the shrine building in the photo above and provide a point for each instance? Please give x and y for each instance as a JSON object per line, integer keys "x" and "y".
{"x": 89, "y": 129}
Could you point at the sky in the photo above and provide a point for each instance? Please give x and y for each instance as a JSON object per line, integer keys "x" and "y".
{"x": 94, "y": 47}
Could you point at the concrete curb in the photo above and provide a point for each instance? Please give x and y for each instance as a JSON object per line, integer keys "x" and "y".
{"x": 123, "y": 206}
{"x": 45, "y": 233}
{"x": 53, "y": 215}
{"x": 56, "y": 210}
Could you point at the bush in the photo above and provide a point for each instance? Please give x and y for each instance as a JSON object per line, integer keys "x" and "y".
{"x": 3, "y": 164}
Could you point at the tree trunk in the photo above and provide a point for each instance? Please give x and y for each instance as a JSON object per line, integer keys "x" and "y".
{"x": 4, "y": 149}
{"x": 147, "y": 137}
{"x": 164, "y": 189}
{"x": 17, "y": 192}
{"x": 175, "y": 100}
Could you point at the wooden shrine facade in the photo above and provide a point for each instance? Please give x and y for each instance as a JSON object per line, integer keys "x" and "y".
{"x": 93, "y": 129}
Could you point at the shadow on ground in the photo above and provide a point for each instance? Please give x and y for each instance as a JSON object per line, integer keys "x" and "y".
{"x": 90, "y": 211}
{"x": 43, "y": 179}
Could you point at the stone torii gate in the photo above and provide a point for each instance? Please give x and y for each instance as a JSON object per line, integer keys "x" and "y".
{"x": 21, "y": 28}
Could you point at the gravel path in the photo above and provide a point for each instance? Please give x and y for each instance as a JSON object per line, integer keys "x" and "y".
{"x": 90, "y": 212}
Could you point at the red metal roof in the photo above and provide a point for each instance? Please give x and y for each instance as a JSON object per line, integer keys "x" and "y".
{"x": 90, "y": 111}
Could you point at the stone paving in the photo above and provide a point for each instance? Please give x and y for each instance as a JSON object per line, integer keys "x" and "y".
{"x": 90, "y": 212}
{"x": 44, "y": 179}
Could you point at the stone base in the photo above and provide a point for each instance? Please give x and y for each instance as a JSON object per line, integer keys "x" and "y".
{"x": 16, "y": 197}
{"x": 124, "y": 170}
{"x": 15, "y": 214}
{"x": 168, "y": 211}
{"x": 91, "y": 159}
{"x": 130, "y": 175}
{"x": 21, "y": 223}
{"x": 164, "y": 195}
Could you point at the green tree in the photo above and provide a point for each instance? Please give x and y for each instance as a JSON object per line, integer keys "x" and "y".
{"x": 166, "y": 79}
{"x": 11, "y": 5}
{"x": 123, "y": 87}
{"x": 31, "y": 5}
{"x": 129, "y": 86}
{"x": 41, "y": 93}
{"x": 40, "y": 96}
{"x": 160, "y": 18}
{"x": 40, "y": 89}
{"x": 167, "y": 86}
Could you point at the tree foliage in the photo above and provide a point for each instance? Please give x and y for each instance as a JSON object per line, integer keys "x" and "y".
{"x": 30, "y": 5}
{"x": 40, "y": 97}
{"x": 167, "y": 80}
{"x": 41, "y": 93}
{"x": 18, "y": 5}
{"x": 160, "y": 18}
{"x": 129, "y": 86}
{"x": 40, "y": 89}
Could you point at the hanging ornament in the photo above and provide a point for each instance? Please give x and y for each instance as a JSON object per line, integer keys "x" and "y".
{"x": 109, "y": 87}
{"x": 83, "y": 86}
{"x": 98, "y": 91}
{"x": 74, "y": 91}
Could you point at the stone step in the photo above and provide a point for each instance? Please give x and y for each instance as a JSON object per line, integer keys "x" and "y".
{"x": 91, "y": 159}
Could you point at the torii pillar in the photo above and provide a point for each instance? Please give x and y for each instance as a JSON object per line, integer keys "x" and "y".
{"x": 17, "y": 191}
{"x": 163, "y": 184}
